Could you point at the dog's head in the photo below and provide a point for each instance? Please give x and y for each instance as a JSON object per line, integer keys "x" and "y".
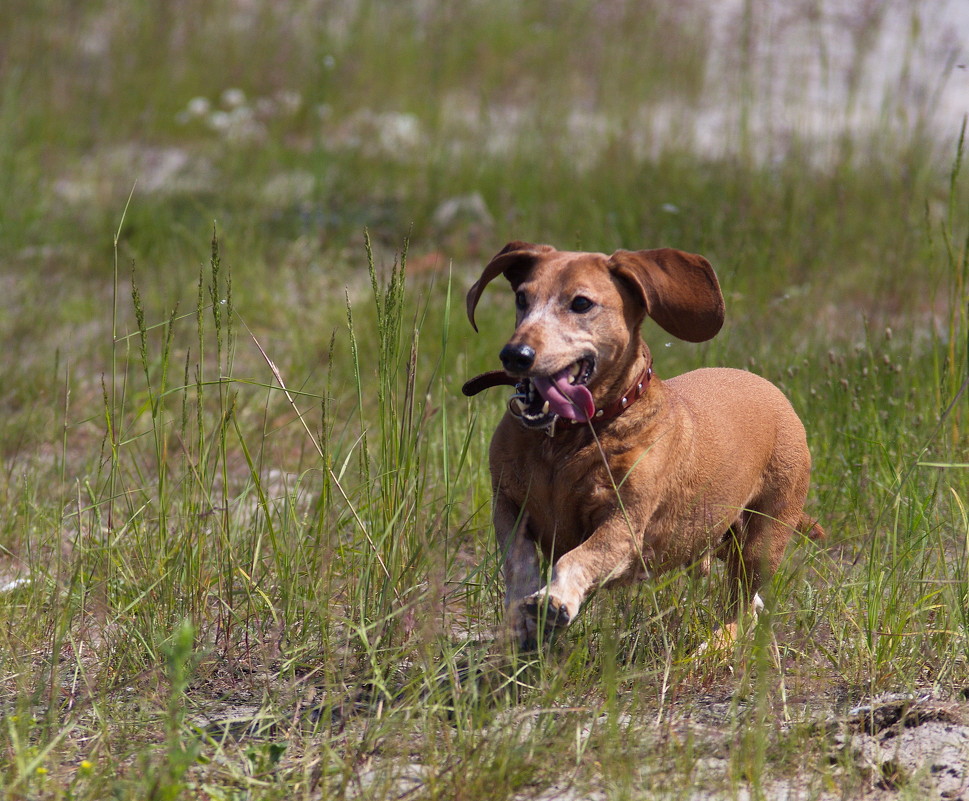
{"x": 578, "y": 317}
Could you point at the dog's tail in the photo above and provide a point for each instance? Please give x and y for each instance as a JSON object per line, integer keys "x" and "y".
{"x": 811, "y": 529}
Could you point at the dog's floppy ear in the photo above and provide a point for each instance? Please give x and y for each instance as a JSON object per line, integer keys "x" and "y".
{"x": 679, "y": 290}
{"x": 511, "y": 260}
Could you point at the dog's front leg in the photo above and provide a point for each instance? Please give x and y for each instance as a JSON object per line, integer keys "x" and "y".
{"x": 613, "y": 552}
{"x": 520, "y": 566}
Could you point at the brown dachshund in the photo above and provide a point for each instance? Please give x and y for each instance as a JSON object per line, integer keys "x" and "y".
{"x": 612, "y": 473}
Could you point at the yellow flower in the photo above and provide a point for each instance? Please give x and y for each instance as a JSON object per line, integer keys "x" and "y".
{"x": 86, "y": 765}
{"x": 41, "y": 771}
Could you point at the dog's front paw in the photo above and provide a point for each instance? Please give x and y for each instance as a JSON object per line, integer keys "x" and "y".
{"x": 547, "y": 610}
{"x": 542, "y": 615}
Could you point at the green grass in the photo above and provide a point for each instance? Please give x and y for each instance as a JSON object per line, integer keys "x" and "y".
{"x": 249, "y": 500}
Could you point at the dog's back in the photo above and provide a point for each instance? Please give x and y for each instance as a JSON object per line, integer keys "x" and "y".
{"x": 753, "y": 454}
{"x": 743, "y": 419}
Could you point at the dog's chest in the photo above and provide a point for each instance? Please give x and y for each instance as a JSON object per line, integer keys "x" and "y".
{"x": 565, "y": 490}
{"x": 563, "y": 513}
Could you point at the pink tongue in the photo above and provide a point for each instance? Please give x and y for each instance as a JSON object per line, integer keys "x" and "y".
{"x": 571, "y": 401}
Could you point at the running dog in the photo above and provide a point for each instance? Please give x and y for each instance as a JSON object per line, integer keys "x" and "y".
{"x": 612, "y": 473}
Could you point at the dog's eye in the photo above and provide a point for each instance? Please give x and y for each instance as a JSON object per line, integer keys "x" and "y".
{"x": 580, "y": 304}
{"x": 521, "y": 302}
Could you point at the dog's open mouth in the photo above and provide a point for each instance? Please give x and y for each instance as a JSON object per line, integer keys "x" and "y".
{"x": 540, "y": 399}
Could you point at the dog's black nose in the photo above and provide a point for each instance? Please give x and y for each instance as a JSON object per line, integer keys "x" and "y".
{"x": 517, "y": 358}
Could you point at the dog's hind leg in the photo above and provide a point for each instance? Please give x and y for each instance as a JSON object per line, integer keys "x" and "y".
{"x": 754, "y": 549}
